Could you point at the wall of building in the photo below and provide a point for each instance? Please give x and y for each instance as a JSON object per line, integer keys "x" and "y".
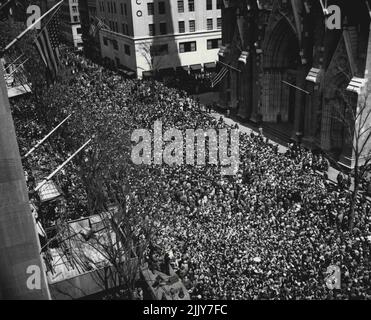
{"x": 71, "y": 24}
{"x": 174, "y": 58}
{"x": 108, "y": 50}
{"x": 138, "y": 21}
{"x": 298, "y": 73}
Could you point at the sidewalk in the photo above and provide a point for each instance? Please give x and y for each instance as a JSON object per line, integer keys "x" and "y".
{"x": 332, "y": 172}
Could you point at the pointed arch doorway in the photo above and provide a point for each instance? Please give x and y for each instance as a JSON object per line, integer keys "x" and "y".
{"x": 280, "y": 63}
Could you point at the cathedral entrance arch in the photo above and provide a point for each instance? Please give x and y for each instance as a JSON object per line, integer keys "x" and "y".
{"x": 280, "y": 63}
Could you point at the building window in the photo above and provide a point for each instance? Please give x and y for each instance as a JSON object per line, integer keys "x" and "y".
{"x": 219, "y": 23}
{"x": 114, "y": 7}
{"x": 214, "y": 44}
{"x": 192, "y": 25}
{"x": 151, "y": 8}
{"x": 75, "y": 19}
{"x": 74, "y": 9}
{"x": 180, "y": 6}
{"x": 152, "y": 30}
{"x": 122, "y": 8}
{"x": 191, "y": 5}
{"x": 181, "y": 26}
{"x": 125, "y": 9}
{"x": 105, "y": 41}
{"x": 115, "y": 44}
{"x": 187, "y": 46}
{"x": 127, "y": 50}
{"x": 218, "y": 4}
{"x": 209, "y": 23}
{"x": 163, "y": 28}
{"x": 125, "y": 29}
{"x": 159, "y": 50}
{"x": 209, "y": 4}
{"x": 161, "y": 7}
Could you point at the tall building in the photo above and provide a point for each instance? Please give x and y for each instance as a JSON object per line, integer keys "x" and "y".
{"x": 70, "y": 23}
{"x": 90, "y": 36}
{"x": 150, "y": 35}
{"x": 22, "y": 272}
{"x": 292, "y": 69}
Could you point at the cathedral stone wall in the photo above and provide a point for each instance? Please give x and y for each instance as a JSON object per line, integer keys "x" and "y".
{"x": 298, "y": 71}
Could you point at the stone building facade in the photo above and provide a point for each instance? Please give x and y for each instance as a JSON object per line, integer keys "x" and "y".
{"x": 293, "y": 64}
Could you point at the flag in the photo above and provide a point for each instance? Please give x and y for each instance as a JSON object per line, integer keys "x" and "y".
{"x": 47, "y": 43}
{"x": 96, "y": 26}
{"x": 219, "y": 77}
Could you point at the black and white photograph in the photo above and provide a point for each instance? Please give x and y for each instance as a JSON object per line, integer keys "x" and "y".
{"x": 185, "y": 154}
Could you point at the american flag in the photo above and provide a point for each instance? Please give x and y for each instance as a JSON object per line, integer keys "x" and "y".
{"x": 48, "y": 41}
{"x": 96, "y": 26}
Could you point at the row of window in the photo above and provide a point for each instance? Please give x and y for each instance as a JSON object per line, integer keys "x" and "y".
{"x": 191, "y": 46}
{"x": 209, "y": 4}
{"x": 151, "y": 8}
{"x": 111, "y": 7}
{"x": 163, "y": 49}
{"x": 115, "y": 45}
{"x": 114, "y": 27}
{"x": 181, "y": 26}
{"x": 191, "y": 5}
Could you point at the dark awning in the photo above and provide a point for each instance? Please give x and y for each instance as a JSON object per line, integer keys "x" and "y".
{"x": 182, "y": 68}
{"x": 166, "y": 71}
{"x": 126, "y": 72}
{"x": 196, "y": 67}
{"x": 209, "y": 65}
{"x": 148, "y": 74}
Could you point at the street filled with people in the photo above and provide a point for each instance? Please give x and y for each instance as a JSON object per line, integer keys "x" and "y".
{"x": 269, "y": 232}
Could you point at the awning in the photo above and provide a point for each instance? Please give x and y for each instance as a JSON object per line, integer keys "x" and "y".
{"x": 182, "y": 68}
{"x": 128, "y": 73}
{"x": 147, "y": 74}
{"x": 166, "y": 71}
{"x": 209, "y": 65}
{"x": 196, "y": 67}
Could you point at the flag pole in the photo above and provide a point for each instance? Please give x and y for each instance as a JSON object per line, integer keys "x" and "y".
{"x": 5, "y": 4}
{"x": 13, "y": 62}
{"x": 60, "y": 167}
{"x": 46, "y": 137}
{"x": 8, "y": 75}
{"x": 229, "y": 66}
{"x": 296, "y": 87}
{"x": 21, "y": 35}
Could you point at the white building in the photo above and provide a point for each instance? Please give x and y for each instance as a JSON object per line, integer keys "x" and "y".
{"x": 71, "y": 25}
{"x": 153, "y": 35}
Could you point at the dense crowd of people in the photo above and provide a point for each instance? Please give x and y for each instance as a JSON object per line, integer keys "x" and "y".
{"x": 269, "y": 232}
